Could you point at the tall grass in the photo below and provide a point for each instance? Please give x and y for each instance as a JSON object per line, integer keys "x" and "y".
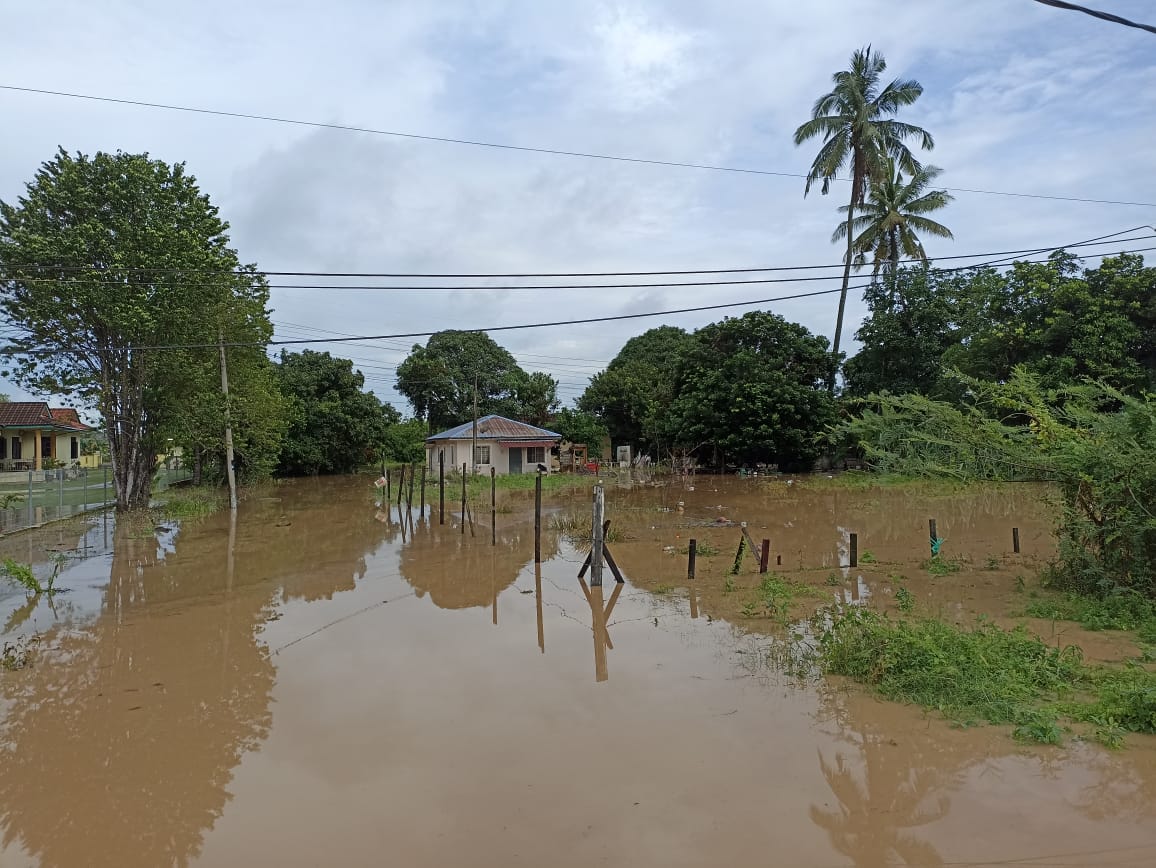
{"x": 985, "y": 673}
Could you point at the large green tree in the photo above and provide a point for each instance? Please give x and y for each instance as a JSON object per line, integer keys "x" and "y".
{"x": 634, "y": 392}
{"x": 439, "y": 381}
{"x": 334, "y": 426}
{"x": 893, "y": 215}
{"x": 117, "y": 279}
{"x": 856, "y": 122}
{"x": 585, "y": 429}
{"x": 751, "y": 388}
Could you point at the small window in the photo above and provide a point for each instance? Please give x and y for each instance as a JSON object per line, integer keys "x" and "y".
{"x": 16, "y": 449}
{"x": 481, "y": 455}
{"x": 535, "y": 455}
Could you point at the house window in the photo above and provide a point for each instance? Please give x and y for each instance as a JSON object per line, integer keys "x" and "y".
{"x": 16, "y": 451}
{"x": 3, "y": 448}
{"x": 74, "y": 449}
{"x": 481, "y": 455}
{"x": 535, "y": 454}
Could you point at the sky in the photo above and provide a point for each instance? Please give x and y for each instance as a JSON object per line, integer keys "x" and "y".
{"x": 1020, "y": 97}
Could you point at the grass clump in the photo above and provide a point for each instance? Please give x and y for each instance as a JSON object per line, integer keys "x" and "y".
{"x": 18, "y": 653}
{"x": 701, "y": 549}
{"x": 940, "y": 566}
{"x": 191, "y": 502}
{"x": 985, "y": 673}
{"x": 1121, "y": 611}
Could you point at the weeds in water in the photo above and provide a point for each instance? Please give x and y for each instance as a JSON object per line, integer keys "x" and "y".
{"x": 867, "y": 558}
{"x": 1021, "y": 584}
{"x": 989, "y": 674}
{"x": 833, "y": 579}
{"x": 21, "y": 574}
{"x": 939, "y": 566}
{"x": 992, "y": 563}
{"x": 729, "y": 585}
{"x": 191, "y": 502}
{"x": 701, "y": 549}
{"x": 1124, "y": 611}
{"x": 17, "y": 653}
{"x": 905, "y": 599}
{"x": 661, "y": 590}
{"x": 750, "y": 610}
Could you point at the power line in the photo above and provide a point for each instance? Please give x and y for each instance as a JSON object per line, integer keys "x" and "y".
{"x": 1103, "y": 16}
{"x": 568, "y": 286}
{"x": 487, "y": 275}
{"x": 558, "y": 152}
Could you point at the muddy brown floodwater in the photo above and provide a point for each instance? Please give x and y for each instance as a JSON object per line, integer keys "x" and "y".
{"x": 317, "y": 684}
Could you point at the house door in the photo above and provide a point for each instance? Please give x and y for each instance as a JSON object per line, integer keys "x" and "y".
{"x": 46, "y": 450}
{"x": 516, "y": 460}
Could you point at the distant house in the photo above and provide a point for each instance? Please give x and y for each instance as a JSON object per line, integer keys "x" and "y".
{"x": 505, "y": 444}
{"x": 32, "y": 433}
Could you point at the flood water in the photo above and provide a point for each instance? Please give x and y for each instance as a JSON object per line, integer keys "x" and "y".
{"x": 318, "y": 684}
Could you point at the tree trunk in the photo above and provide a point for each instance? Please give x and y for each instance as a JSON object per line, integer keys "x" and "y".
{"x": 894, "y": 250}
{"x": 198, "y": 464}
{"x": 846, "y": 281}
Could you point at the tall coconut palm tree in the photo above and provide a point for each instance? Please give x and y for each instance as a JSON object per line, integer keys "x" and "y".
{"x": 860, "y": 135}
{"x": 891, "y": 217}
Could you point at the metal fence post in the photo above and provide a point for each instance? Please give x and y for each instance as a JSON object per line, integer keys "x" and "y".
{"x": 60, "y": 502}
{"x": 30, "y": 497}
{"x": 84, "y": 478}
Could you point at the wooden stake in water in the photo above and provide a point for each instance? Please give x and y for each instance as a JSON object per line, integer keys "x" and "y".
{"x": 538, "y": 519}
{"x": 400, "y": 485}
{"x": 388, "y": 489}
{"x": 409, "y": 497}
{"x": 853, "y": 552}
{"x": 464, "y": 498}
{"x": 599, "y": 541}
{"x": 1016, "y": 540}
{"x": 441, "y": 486}
{"x": 493, "y": 506}
{"x": 421, "y": 512}
{"x": 934, "y": 537}
{"x": 765, "y": 557}
{"x": 691, "y": 554}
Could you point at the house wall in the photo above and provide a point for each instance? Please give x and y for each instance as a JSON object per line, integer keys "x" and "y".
{"x": 458, "y": 451}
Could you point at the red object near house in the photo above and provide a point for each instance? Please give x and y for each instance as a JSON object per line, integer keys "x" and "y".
{"x": 592, "y": 466}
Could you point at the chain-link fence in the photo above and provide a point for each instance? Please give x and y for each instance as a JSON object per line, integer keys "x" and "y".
{"x": 33, "y": 497}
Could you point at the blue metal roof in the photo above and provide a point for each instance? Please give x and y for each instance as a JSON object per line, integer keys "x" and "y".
{"x": 494, "y": 427}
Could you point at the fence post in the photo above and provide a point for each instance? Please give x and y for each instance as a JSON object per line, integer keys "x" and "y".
{"x": 765, "y": 557}
{"x": 1016, "y": 540}
{"x": 934, "y": 537}
{"x": 388, "y": 487}
{"x": 60, "y": 502}
{"x": 409, "y": 498}
{"x": 494, "y": 508}
{"x": 441, "y": 486}
{"x": 421, "y": 512}
{"x": 84, "y": 477}
{"x": 30, "y": 497}
{"x": 538, "y": 518}
{"x": 104, "y": 484}
{"x": 464, "y": 498}
{"x": 596, "y": 528}
{"x": 691, "y": 553}
{"x": 400, "y": 487}
{"x": 854, "y": 550}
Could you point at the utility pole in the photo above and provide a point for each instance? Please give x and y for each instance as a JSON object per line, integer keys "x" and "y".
{"x": 474, "y": 457}
{"x": 228, "y": 424}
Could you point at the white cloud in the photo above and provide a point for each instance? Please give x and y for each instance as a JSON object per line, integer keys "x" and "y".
{"x": 1019, "y": 98}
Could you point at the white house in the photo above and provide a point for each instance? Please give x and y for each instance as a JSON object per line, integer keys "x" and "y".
{"x": 506, "y": 445}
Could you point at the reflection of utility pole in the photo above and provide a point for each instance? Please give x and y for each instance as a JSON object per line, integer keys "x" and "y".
{"x": 228, "y": 423}
{"x": 474, "y": 457}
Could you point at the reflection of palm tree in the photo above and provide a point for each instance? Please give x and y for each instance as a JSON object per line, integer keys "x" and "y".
{"x": 866, "y": 826}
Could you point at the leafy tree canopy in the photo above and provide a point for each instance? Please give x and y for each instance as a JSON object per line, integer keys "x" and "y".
{"x": 575, "y": 426}
{"x": 102, "y": 261}
{"x": 439, "y": 379}
{"x": 633, "y": 394}
{"x": 751, "y": 387}
{"x": 334, "y": 426}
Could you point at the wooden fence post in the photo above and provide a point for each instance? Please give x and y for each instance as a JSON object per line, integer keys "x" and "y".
{"x": 538, "y": 518}
{"x": 464, "y": 498}
{"x": 400, "y": 485}
{"x": 691, "y": 554}
{"x": 854, "y": 550}
{"x": 409, "y": 497}
{"x": 598, "y": 541}
{"x": 421, "y": 512}
{"x": 441, "y": 486}
{"x": 493, "y": 506}
{"x": 765, "y": 556}
{"x": 1016, "y": 540}
{"x": 934, "y": 537}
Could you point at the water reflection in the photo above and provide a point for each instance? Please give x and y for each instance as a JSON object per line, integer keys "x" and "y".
{"x": 117, "y": 747}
